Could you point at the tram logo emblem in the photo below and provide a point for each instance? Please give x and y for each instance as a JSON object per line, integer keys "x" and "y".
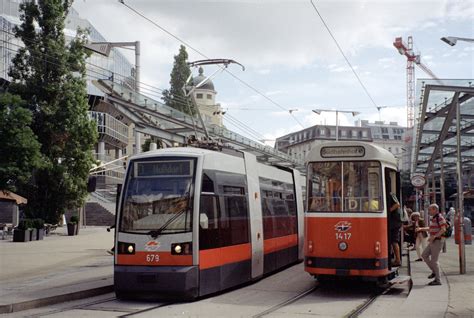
{"x": 342, "y": 226}
{"x": 152, "y": 246}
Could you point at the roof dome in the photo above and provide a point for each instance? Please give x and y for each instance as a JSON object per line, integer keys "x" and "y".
{"x": 198, "y": 79}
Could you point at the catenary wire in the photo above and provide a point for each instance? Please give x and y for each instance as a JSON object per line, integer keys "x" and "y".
{"x": 342, "y": 53}
{"x": 152, "y": 91}
{"x": 205, "y": 56}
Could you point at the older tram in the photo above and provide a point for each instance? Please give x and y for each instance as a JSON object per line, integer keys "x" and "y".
{"x": 346, "y": 222}
{"x": 191, "y": 222}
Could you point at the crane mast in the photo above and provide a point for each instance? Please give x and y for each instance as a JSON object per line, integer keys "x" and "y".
{"x": 412, "y": 59}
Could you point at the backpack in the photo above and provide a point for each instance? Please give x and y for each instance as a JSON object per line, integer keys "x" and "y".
{"x": 449, "y": 227}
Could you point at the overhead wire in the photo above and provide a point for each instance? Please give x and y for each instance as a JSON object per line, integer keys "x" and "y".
{"x": 342, "y": 53}
{"x": 151, "y": 90}
{"x": 205, "y": 56}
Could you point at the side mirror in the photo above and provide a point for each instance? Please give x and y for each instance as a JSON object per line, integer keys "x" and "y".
{"x": 203, "y": 221}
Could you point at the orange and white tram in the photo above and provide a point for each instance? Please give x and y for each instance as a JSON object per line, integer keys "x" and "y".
{"x": 192, "y": 222}
{"x": 346, "y": 221}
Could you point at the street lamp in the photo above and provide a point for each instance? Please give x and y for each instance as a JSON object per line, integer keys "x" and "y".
{"x": 319, "y": 111}
{"x": 104, "y": 48}
{"x": 451, "y": 40}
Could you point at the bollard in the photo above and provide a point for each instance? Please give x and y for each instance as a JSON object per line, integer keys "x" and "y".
{"x": 467, "y": 231}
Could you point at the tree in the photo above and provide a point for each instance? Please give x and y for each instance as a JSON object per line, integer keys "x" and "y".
{"x": 174, "y": 97}
{"x": 50, "y": 76}
{"x": 18, "y": 144}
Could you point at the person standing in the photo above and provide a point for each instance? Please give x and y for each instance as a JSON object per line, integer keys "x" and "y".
{"x": 420, "y": 235}
{"x": 395, "y": 225}
{"x": 435, "y": 243}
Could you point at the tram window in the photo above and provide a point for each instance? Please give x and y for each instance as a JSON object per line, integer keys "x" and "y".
{"x": 344, "y": 187}
{"x": 209, "y": 237}
{"x": 207, "y": 184}
{"x": 237, "y": 221}
{"x": 233, "y": 190}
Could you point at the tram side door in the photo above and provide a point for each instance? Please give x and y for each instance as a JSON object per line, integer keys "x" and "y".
{"x": 255, "y": 214}
{"x": 392, "y": 185}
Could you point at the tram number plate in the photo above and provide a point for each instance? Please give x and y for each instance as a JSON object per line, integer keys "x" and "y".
{"x": 343, "y": 236}
{"x": 152, "y": 258}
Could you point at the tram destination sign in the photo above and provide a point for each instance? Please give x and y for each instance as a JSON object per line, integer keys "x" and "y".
{"x": 163, "y": 168}
{"x": 342, "y": 151}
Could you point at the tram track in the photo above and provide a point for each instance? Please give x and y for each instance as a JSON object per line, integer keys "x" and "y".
{"x": 362, "y": 307}
{"x": 145, "y": 310}
{"x": 287, "y": 302}
{"x": 80, "y": 306}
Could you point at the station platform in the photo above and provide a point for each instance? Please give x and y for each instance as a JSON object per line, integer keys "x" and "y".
{"x": 62, "y": 268}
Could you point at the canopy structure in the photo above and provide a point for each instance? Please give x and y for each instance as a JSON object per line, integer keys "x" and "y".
{"x": 444, "y": 143}
{"x": 436, "y": 140}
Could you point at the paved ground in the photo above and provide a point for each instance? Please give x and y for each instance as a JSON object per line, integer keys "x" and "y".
{"x": 40, "y": 272}
{"x": 64, "y": 268}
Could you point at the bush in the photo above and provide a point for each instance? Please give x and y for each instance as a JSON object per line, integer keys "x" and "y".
{"x": 38, "y": 224}
{"x": 74, "y": 219}
{"x": 24, "y": 224}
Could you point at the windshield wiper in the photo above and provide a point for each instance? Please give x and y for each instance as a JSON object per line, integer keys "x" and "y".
{"x": 155, "y": 233}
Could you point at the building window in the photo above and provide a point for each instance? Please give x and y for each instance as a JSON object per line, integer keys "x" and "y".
{"x": 322, "y": 132}
{"x": 199, "y": 96}
{"x": 384, "y": 131}
{"x": 364, "y": 134}
{"x": 209, "y": 96}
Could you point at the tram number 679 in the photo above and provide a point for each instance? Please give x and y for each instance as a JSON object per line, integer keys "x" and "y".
{"x": 343, "y": 236}
{"x": 152, "y": 258}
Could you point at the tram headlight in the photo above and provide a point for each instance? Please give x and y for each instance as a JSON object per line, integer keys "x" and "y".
{"x": 126, "y": 248}
{"x": 184, "y": 248}
{"x": 343, "y": 246}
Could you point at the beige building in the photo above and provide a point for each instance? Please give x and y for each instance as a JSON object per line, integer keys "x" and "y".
{"x": 205, "y": 95}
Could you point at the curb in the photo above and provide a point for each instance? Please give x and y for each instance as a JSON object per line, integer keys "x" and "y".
{"x": 52, "y": 300}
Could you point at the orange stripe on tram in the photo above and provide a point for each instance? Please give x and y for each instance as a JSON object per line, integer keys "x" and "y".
{"x": 224, "y": 255}
{"x": 279, "y": 243}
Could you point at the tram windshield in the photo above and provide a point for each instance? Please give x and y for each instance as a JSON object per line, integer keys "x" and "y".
{"x": 345, "y": 186}
{"x": 158, "y": 196}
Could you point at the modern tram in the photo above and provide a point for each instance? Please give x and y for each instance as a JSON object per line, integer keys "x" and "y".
{"x": 192, "y": 221}
{"x": 346, "y": 220}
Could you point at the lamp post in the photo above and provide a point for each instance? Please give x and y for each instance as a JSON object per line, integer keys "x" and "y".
{"x": 353, "y": 112}
{"x": 451, "y": 40}
{"x": 104, "y": 48}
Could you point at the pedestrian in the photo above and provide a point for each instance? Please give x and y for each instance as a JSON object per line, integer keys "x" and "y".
{"x": 395, "y": 225}
{"x": 450, "y": 215}
{"x": 420, "y": 235}
{"x": 435, "y": 243}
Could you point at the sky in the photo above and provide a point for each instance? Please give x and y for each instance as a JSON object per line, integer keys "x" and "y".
{"x": 289, "y": 55}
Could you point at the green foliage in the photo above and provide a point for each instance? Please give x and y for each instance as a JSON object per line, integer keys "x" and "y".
{"x": 19, "y": 146}
{"x": 25, "y": 224}
{"x": 74, "y": 219}
{"x": 174, "y": 97}
{"x": 50, "y": 76}
{"x": 38, "y": 224}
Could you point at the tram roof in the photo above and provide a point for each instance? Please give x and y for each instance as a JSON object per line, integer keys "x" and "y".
{"x": 371, "y": 152}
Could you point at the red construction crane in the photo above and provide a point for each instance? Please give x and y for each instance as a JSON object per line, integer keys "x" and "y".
{"x": 412, "y": 59}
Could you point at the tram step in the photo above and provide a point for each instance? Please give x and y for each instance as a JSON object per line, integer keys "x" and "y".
{"x": 400, "y": 280}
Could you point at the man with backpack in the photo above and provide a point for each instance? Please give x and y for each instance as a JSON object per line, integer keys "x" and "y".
{"x": 431, "y": 253}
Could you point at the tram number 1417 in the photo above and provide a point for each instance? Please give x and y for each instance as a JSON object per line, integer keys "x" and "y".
{"x": 152, "y": 258}
{"x": 343, "y": 236}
